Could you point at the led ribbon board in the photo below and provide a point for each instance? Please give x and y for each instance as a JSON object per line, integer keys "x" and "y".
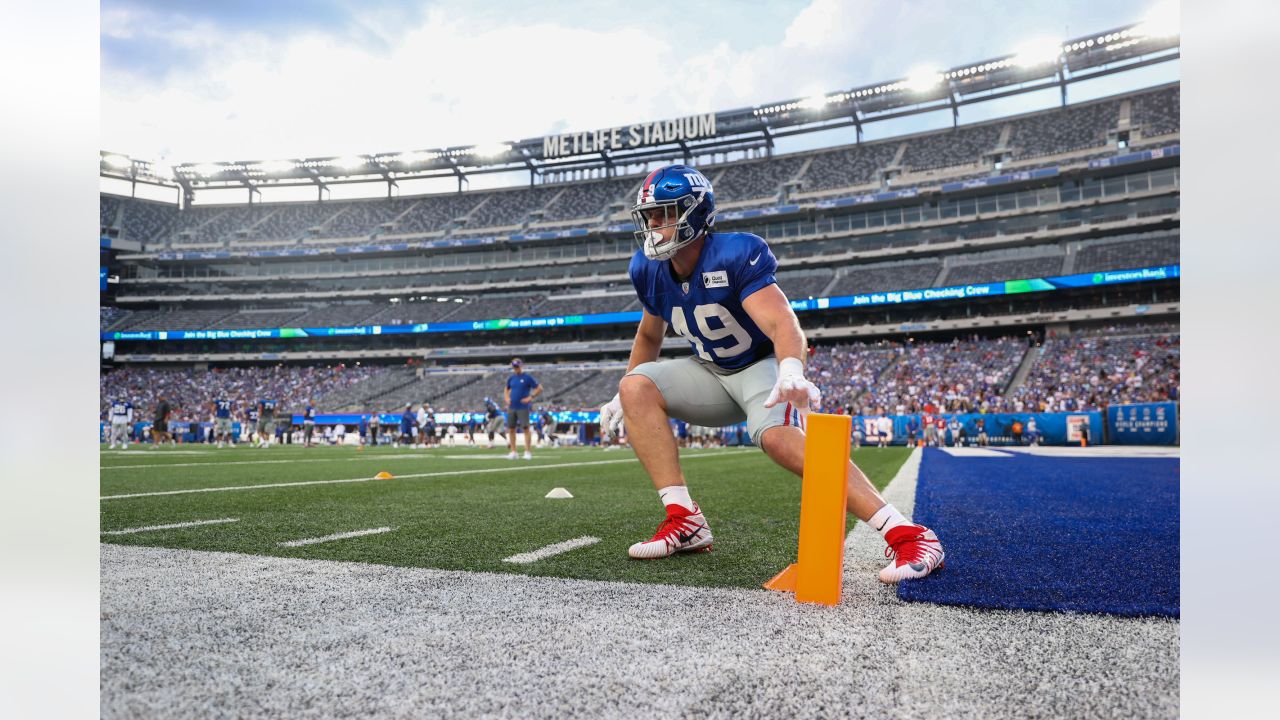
{"x": 891, "y": 297}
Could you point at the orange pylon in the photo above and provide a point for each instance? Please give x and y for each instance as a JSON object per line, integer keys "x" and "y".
{"x": 384, "y": 475}
{"x": 818, "y": 572}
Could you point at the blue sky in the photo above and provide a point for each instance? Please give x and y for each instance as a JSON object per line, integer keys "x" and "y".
{"x": 234, "y": 79}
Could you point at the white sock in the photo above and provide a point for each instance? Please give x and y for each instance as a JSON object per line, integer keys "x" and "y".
{"x": 886, "y": 519}
{"x": 676, "y": 495}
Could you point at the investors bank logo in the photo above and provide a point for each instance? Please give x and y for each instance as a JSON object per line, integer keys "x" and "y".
{"x": 1097, "y": 278}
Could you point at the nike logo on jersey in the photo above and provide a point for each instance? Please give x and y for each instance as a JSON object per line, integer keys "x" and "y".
{"x": 753, "y": 260}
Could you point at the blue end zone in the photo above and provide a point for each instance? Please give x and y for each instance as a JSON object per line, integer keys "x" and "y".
{"x": 1051, "y": 533}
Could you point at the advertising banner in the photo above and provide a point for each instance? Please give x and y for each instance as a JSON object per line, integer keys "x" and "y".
{"x": 1143, "y": 424}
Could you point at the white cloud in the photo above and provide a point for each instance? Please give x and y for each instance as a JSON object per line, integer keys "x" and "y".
{"x": 454, "y": 80}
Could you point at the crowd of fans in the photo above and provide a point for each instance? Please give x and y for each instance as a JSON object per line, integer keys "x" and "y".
{"x": 1089, "y": 372}
{"x": 191, "y": 391}
{"x": 845, "y": 371}
{"x": 958, "y": 376}
{"x": 1083, "y": 370}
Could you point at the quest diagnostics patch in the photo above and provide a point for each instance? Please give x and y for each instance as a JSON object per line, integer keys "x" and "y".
{"x": 719, "y": 278}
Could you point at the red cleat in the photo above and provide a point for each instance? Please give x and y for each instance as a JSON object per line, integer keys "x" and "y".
{"x": 682, "y": 531}
{"x": 915, "y": 552}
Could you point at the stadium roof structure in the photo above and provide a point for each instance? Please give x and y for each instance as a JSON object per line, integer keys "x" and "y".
{"x": 1052, "y": 66}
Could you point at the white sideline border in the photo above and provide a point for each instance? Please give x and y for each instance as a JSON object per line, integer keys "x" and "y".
{"x": 171, "y": 526}
{"x": 335, "y": 536}
{"x": 441, "y": 473}
{"x": 551, "y": 550}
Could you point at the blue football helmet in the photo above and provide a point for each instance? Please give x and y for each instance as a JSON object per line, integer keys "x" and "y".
{"x": 689, "y": 206}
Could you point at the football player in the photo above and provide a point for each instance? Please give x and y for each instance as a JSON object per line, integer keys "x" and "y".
{"x": 267, "y": 421}
{"x": 222, "y": 421}
{"x": 493, "y": 422}
{"x": 251, "y": 416}
{"x": 121, "y": 417}
{"x": 718, "y": 291}
{"x": 308, "y": 423}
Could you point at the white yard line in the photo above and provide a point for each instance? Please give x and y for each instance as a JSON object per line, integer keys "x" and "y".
{"x": 548, "y": 551}
{"x": 149, "y": 528}
{"x": 443, "y": 473}
{"x": 335, "y": 536}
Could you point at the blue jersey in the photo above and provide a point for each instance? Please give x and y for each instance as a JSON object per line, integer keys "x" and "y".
{"x": 121, "y": 411}
{"x": 222, "y": 408}
{"x": 253, "y": 414}
{"x": 706, "y": 309}
{"x": 520, "y": 385}
{"x": 269, "y": 408}
{"x": 309, "y": 413}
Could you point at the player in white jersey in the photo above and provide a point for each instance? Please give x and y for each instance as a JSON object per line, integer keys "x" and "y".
{"x": 718, "y": 291}
{"x": 121, "y": 417}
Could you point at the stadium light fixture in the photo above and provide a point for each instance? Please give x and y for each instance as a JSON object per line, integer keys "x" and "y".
{"x": 276, "y": 166}
{"x": 208, "y": 169}
{"x": 413, "y": 158}
{"x": 1163, "y": 20}
{"x": 119, "y": 162}
{"x": 814, "y": 102}
{"x": 349, "y": 163}
{"x": 1037, "y": 51}
{"x": 923, "y": 79}
{"x": 491, "y": 151}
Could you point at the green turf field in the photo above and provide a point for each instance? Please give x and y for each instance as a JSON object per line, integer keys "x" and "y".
{"x": 447, "y": 512}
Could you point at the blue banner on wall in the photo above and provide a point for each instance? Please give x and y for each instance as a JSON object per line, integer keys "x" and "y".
{"x": 1143, "y": 423}
{"x": 1049, "y": 428}
{"x": 1171, "y": 151}
{"x": 1025, "y": 175}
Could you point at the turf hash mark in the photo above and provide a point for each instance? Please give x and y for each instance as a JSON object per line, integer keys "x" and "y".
{"x": 171, "y": 526}
{"x": 548, "y": 551}
{"x": 336, "y": 536}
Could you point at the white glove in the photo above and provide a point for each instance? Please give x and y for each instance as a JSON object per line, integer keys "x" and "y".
{"x": 792, "y": 387}
{"x": 611, "y": 417}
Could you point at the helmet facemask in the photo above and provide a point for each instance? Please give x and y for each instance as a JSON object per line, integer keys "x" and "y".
{"x": 675, "y": 214}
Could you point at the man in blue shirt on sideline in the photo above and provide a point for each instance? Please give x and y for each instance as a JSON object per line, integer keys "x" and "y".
{"x": 520, "y": 392}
